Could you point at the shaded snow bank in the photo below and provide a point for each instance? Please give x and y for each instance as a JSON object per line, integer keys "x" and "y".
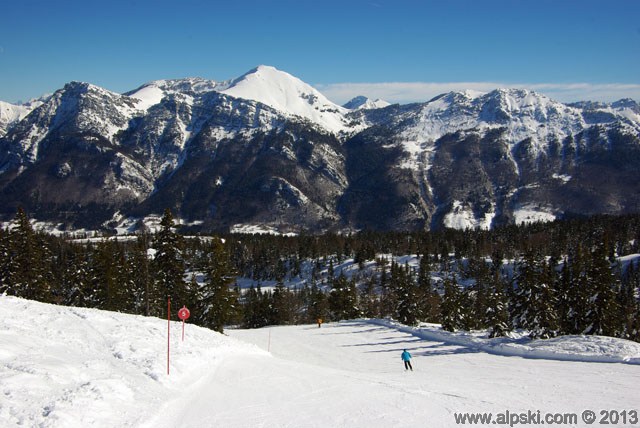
{"x": 600, "y": 349}
{"x": 76, "y": 367}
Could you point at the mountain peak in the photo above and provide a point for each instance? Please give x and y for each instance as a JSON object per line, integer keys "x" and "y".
{"x": 188, "y": 85}
{"x": 286, "y": 93}
{"x": 363, "y": 103}
{"x": 11, "y": 114}
{"x": 265, "y": 69}
{"x": 153, "y": 92}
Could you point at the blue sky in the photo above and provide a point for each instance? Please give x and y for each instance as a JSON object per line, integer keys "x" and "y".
{"x": 402, "y": 50}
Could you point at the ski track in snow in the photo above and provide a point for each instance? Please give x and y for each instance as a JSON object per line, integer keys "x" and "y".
{"x": 349, "y": 374}
{"x": 77, "y": 367}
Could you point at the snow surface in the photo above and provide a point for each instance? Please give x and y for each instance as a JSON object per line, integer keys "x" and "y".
{"x": 148, "y": 96}
{"x": 75, "y": 367}
{"x": 257, "y": 229}
{"x": 462, "y": 217}
{"x": 532, "y": 214}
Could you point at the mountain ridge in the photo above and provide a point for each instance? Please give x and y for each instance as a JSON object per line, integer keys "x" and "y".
{"x": 362, "y": 102}
{"x": 268, "y": 149}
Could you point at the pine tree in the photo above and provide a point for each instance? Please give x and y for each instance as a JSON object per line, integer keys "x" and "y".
{"x": 217, "y": 302}
{"x": 478, "y": 293}
{"x": 451, "y": 309}
{"x": 369, "y": 299}
{"x": 425, "y": 292}
{"x": 128, "y": 294}
{"x": 535, "y": 300}
{"x": 251, "y": 305}
{"x": 629, "y": 303}
{"x": 343, "y": 298}
{"x": 147, "y": 299}
{"x": 318, "y": 307}
{"x": 5, "y": 279}
{"x": 407, "y": 310}
{"x": 389, "y": 295}
{"x": 573, "y": 293}
{"x": 603, "y": 313}
{"x": 496, "y": 317}
{"x": 282, "y": 305}
{"x": 76, "y": 280}
{"x": 26, "y": 276}
{"x": 169, "y": 264}
{"x": 104, "y": 291}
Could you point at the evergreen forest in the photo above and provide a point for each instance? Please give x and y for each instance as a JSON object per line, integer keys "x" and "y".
{"x": 571, "y": 276}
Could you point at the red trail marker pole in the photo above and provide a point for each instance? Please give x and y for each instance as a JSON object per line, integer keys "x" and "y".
{"x": 168, "y": 331}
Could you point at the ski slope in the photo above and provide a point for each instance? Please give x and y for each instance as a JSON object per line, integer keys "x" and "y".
{"x": 77, "y": 367}
{"x": 352, "y": 372}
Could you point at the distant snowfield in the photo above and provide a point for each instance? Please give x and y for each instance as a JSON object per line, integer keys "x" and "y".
{"x": 76, "y": 367}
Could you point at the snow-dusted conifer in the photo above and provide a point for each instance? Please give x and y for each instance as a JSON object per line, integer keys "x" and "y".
{"x": 147, "y": 301}
{"x": 369, "y": 299}
{"x": 602, "y": 317}
{"x": 104, "y": 291}
{"x": 343, "y": 298}
{"x": 573, "y": 292}
{"x": 497, "y": 310}
{"x": 26, "y": 275}
{"x": 4, "y": 261}
{"x": 76, "y": 284}
{"x": 452, "y": 312}
{"x": 535, "y": 301}
{"x": 629, "y": 304}
{"x": 407, "y": 292}
{"x": 425, "y": 292}
{"x": 318, "y": 307}
{"x": 217, "y": 303}
{"x": 168, "y": 263}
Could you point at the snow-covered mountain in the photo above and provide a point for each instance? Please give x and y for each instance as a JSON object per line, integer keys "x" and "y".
{"x": 152, "y": 93}
{"x": 268, "y": 149}
{"x": 468, "y": 159}
{"x": 286, "y": 93}
{"x": 522, "y": 112}
{"x": 10, "y": 114}
{"x": 363, "y": 103}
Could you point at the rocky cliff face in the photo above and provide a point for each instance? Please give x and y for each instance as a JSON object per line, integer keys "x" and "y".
{"x": 267, "y": 149}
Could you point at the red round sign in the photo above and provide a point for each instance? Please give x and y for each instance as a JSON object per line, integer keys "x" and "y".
{"x": 184, "y": 313}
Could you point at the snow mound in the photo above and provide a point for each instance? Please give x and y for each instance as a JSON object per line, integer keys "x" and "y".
{"x": 599, "y": 349}
{"x": 76, "y": 367}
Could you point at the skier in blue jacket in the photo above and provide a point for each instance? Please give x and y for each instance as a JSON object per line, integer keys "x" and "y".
{"x": 406, "y": 357}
